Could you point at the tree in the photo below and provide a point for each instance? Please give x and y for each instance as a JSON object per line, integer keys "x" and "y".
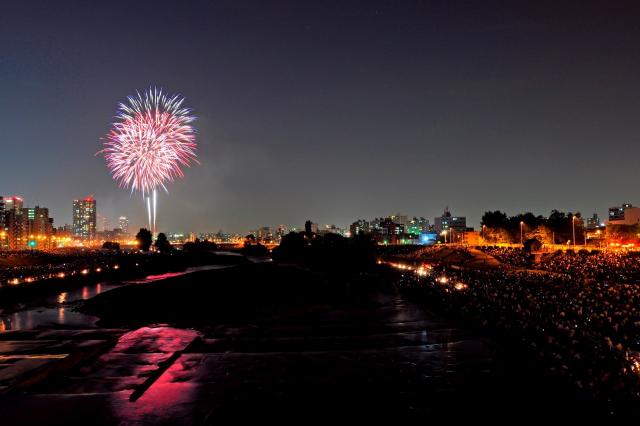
{"x": 291, "y": 247}
{"x": 495, "y": 220}
{"x": 541, "y": 233}
{"x": 162, "y": 243}
{"x": 144, "y": 239}
{"x": 255, "y": 250}
{"x": 110, "y": 245}
{"x": 623, "y": 233}
{"x": 499, "y": 235}
{"x": 198, "y": 246}
{"x": 495, "y": 225}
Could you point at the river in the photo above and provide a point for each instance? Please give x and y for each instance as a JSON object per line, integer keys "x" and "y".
{"x": 57, "y": 310}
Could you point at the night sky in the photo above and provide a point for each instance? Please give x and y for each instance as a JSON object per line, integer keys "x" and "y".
{"x": 330, "y": 110}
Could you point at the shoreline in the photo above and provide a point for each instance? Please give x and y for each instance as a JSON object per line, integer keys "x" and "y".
{"x": 130, "y": 267}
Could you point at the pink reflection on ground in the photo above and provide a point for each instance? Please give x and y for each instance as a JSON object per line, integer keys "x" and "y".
{"x": 171, "y": 394}
{"x": 152, "y": 278}
{"x": 155, "y": 339}
{"x": 167, "y": 398}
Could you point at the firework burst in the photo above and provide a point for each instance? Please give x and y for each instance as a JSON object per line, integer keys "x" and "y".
{"x": 150, "y": 142}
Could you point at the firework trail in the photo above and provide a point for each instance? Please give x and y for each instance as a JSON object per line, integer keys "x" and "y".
{"x": 149, "y": 143}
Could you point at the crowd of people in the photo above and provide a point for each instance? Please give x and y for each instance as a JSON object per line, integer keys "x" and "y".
{"x": 583, "y": 324}
{"x": 509, "y": 256}
{"x": 599, "y": 266}
{"x": 583, "y": 265}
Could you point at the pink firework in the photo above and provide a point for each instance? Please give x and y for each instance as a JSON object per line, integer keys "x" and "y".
{"x": 150, "y": 141}
{"x": 149, "y": 144}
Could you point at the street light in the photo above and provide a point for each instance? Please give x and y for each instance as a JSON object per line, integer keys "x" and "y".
{"x": 521, "y": 233}
{"x": 573, "y": 226}
{"x": 483, "y": 226}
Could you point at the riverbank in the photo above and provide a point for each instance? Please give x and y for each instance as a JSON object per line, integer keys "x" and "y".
{"x": 283, "y": 343}
{"x": 244, "y": 293}
{"x": 563, "y": 329}
{"x": 110, "y": 267}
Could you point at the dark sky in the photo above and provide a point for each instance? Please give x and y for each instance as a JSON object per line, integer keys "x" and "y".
{"x": 330, "y": 110}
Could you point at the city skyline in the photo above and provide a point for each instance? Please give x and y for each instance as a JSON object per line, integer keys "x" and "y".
{"x": 124, "y": 223}
{"x": 332, "y": 112}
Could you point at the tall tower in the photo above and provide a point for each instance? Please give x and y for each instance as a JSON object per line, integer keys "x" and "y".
{"x": 39, "y": 227}
{"x": 124, "y": 224}
{"x": 14, "y": 223}
{"x": 84, "y": 218}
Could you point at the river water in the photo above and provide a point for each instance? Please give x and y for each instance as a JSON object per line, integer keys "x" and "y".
{"x": 57, "y": 310}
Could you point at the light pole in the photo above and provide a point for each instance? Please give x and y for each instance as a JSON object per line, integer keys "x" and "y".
{"x": 573, "y": 226}
{"x": 483, "y": 241}
{"x": 521, "y": 233}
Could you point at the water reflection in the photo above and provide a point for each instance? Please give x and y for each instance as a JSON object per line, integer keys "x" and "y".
{"x": 56, "y": 311}
{"x": 153, "y": 278}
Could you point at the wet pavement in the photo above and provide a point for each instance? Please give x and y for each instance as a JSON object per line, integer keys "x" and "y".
{"x": 387, "y": 357}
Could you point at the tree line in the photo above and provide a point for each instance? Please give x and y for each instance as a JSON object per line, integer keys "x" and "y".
{"x": 557, "y": 228}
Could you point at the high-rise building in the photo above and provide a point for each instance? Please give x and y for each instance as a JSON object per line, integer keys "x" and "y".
{"x": 418, "y": 226}
{"x": 360, "y": 226}
{"x": 281, "y": 231}
{"x": 593, "y": 222}
{"x": 13, "y": 202}
{"x": 4, "y": 244}
{"x": 39, "y": 227}
{"x": 84, "y": 218}
{"x": 624, "y": 215}
{"x": 310, "y": 227}
{"x": 105, "y": 224}
{"x": 15, "y": 225}
{"x": 123, "y": 224}
{"x": 264, "y": 234}
{"x": 448, "y": 221}
{"x": 400, "y": 219}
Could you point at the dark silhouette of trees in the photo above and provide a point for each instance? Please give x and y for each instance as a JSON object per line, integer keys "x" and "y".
{"x": 254, "y": 250}
{"x": 291, "y": 248}
{"x": 144, "y": 239}
{"x": 331, "y": 251}
{"x": 198, "y": 246}
{"x": 162, "y": 244}
{"x": 495, "y": 220}
{"x": 110, "y": 245}
{"x": 557, "y": 228}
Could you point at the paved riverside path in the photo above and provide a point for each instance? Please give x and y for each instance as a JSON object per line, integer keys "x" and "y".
{"x": 381, "y": 358}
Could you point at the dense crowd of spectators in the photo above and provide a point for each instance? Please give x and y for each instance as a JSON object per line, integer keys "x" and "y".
{"x": 509, "y": 256}
{"x": 586, "y": 331}
{"x": 599, "y": 266}
{"x": 596, "y": 265}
